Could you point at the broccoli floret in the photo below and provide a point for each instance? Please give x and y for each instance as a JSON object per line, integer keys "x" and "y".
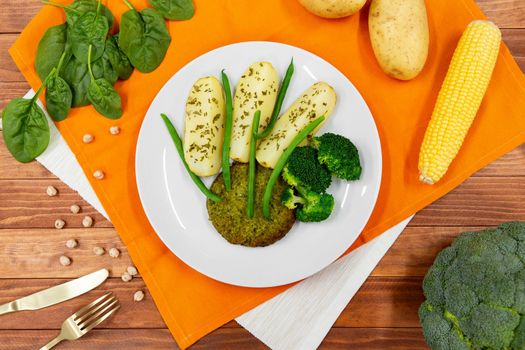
{"x": 290, "y": 200}
{"x": 318, "y": 207}
{"x": 304, "y": 170}
{"x": 339, "y": 154}
{"x": 309, "y": 206}
{"x": 439, "y": 329}
{"x": 475, "y": 292}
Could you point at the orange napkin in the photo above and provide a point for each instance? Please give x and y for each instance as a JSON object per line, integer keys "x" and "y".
{"x": 192, "y": 304}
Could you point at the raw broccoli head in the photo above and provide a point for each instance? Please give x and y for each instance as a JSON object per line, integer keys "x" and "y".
{"x": 475, "y": 292}
{"x": 304, "y": 170}
{"x": 309, "y": 206}
{"x": 339, "y": 154}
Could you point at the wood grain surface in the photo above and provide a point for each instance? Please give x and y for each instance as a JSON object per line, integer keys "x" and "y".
{"x": 383, "y": 314}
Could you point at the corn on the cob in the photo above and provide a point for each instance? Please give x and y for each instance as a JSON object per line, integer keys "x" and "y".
{"x": 459, "y": 98}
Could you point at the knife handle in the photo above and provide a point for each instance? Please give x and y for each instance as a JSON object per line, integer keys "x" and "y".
{"x": 7, "y": 308}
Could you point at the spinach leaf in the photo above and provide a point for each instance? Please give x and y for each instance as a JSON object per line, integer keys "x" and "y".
{"x": 144, "y": 38}
{"x": 80, "y": 7}
{"x": 25, "y": 128}
{"x": 76, "y": 74}
{"x": 118, "y": 59}
{"x": 90, "y": 29}
{"x": 108, "y": 71}
{"x": 58, "y": 95}
{"x": 174, "y": 9}
{"x": 102, "y": 95}
{"x": 50, "y": 49}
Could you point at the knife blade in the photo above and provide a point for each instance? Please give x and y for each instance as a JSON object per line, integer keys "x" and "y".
{"x": 57, "y": 294}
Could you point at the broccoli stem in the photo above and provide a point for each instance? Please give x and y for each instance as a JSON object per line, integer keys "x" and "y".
{"x": 283, "y": 159}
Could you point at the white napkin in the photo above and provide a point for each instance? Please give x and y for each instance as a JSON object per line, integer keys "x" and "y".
{"x": 300, "y": 317}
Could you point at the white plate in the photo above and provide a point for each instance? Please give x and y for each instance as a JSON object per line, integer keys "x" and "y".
{"x": 177, "y": 210}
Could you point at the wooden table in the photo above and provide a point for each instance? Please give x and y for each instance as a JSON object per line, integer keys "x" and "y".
{"x": 383, "y": 314}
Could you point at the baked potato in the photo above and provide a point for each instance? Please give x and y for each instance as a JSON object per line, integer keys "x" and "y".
{"x": 204, "y": 127}
{"x": 256, "y": 90}
{"x": 318, "y": 100}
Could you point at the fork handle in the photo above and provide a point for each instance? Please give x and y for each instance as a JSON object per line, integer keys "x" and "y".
{"x": 52, "y": 343}
{"x": 7, "y": 308}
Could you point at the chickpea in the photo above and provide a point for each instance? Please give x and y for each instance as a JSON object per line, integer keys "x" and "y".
{"x": 87, "y": 138}
{"x": 98, "y": 174}
{"x": 75, "y": 209}
{"x": 87, "y": 221}
{"x": 59, "y": 224}
{"x": 138, "y": 296}
{"x": 71, "y": 243}
{"x": 51, "y": 191}
{"x": 64, "y": 260}
{"x": 126, "y": 277}
{"x": 98, "y": 251}
{"x": 114, "y": 130}
{"x": 114, "y": 253}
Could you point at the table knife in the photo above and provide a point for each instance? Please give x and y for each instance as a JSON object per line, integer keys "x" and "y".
{"x": 57, "y": 294}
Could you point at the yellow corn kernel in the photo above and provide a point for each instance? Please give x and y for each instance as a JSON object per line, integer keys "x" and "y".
{"x": 459, "y": 99}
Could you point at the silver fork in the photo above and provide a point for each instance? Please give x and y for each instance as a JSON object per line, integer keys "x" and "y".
{"x": 86, "y": 319}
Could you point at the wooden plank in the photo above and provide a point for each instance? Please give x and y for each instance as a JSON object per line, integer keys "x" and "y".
{"x": 15, "y": 15}
{"x": 8, "y": 68}
{"x": 224, "y": 339}
{"x": 514, "y": 38}
{"x": 511, "y": 164}
{"x": 415, "y": 250}
{"x": 132, "y": 339}
{"x": 34, "y": 253}
{"x": 384, "y": 302}
{"x": 10, "y": 168}
{"x": 506, "y": 13}
{"x": 381, "y": 302}
{"x": 151, "y": 339}
{"x": 479, "y": 201}
{"x": 10, "y": 90}
{"x": 25, "y": 204}
{"x": 374, "y": 339}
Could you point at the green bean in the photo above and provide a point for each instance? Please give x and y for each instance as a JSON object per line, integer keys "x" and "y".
{"x": 283, "y": 159}
{"x": 252, "y": 165}
{"x": 178, "y": 144}
{"x": 227, "y": 133}
{"x": 279, "y": 102}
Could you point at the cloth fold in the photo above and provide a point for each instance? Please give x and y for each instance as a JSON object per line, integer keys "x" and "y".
{"x": 192, "y": 304}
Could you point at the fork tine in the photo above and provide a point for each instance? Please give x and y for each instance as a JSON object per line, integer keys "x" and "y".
{"x": 95, "y": 315}
{"x": 95, "y": 309}
{"x": 101, "y": 319}
{"x": 82, "y": 311}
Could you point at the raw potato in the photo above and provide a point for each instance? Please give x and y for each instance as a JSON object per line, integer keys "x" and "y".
{"x": 333, "y": 8}
{"x": 399, "y": 36}
{"x": 256, "y": 90}
{"x": 204, "y": 127}
{"x": 318, "y": 100}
